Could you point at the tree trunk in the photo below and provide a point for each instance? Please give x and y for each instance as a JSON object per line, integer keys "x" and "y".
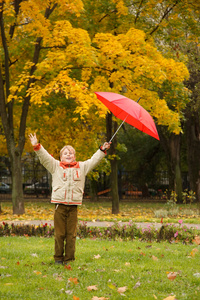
{"x": 114, "y": 167}
{"x": 171, "y": 145}
{"x": 93, "y": 190}
{"x": 114, "y": 187}
{"x": 174, "y": 146}
{"x": 17, "y": 184}
{"x": 193, "y": 146}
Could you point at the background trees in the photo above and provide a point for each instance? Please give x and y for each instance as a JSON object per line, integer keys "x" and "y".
{"x": 55, "y": 53}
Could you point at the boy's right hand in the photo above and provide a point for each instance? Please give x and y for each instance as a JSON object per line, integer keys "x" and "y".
{"x": 33, "y": 139}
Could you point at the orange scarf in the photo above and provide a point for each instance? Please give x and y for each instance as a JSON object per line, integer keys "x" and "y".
{"x": 66, "y": 165}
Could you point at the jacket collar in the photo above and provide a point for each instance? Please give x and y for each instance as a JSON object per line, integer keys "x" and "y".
{"x": 66, "y": 165}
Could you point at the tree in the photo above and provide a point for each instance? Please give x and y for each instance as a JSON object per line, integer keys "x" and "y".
{"x": 175, "y": 28}
{"x": 24, "y": 26}
{"x": 44, "y": 58}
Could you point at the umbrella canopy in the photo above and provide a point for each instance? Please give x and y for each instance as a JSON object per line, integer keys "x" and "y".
{"x": 129, "y": 111}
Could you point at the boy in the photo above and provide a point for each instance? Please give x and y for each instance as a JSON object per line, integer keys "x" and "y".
{"x": 68, "y": 181}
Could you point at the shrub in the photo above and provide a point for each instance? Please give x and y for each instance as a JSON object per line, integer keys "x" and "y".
{"x": 118, "y": 231}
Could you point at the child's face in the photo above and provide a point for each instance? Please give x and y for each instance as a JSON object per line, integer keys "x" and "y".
{"x": 67, "y": 156}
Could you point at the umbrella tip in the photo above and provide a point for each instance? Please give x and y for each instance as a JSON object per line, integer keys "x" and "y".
{"x": 139, "y": 99}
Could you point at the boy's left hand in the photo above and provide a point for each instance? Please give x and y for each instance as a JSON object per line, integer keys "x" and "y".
{"x": 106, "y": 145}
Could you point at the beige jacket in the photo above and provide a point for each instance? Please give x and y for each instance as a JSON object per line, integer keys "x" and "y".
{"x": 68, "y": 183}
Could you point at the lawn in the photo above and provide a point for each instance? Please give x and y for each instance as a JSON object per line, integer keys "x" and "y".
{"x": 137, "y": 211}
{"x": 105, "y": 269}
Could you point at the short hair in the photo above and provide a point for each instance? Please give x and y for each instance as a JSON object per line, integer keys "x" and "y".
{"x": 68, "y": 147}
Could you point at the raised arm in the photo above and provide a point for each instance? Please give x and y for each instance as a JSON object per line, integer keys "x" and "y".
{"x": 45, "y": 158}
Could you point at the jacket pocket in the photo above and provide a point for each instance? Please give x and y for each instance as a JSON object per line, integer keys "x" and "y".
{"x": 56, "y": 188}
{"x": 76, "y": 174}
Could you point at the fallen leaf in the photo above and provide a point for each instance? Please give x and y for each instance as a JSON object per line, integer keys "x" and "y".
{"x": 122, "y": 289}
{"x": 170, "y": 298}
{"x": 73, "y": 280}
{"x": 97, "y": 256}
{"x": 155, "y": 296}
{"x": 34, "y": 255}
{"x": 68, "y": 292}
{"x": 194, "y": 252}
{"x": 197, "y": 240}
{"x": 111, "y": 286}
{"x": 127, "y": 264}
{"x": 68, "y": 267}
{"x": 8, "y": 283}
{"x": 37, "y": 272}
{"x": 154, "y": 257}
{"x": 172, "y": 275}
{"x": 137, "y": 285}
{"x": 18, "y": 263}
{"x": 75, "y": 298}
{"x": 92, "y": 288}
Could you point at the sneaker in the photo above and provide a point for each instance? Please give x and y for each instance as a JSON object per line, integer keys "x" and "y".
{"x": 58, "y": 262}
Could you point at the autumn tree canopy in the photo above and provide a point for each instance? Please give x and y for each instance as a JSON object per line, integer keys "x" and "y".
{"x": 46, "y": 56}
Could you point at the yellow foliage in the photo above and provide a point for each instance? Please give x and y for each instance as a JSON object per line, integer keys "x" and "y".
{"x": 121, "y": 7}
{"x": 73, "y": 64}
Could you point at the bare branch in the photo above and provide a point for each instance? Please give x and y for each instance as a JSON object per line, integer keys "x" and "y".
{"x": 166, "y": 13}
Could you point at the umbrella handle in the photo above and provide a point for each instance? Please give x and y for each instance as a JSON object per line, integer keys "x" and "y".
{"x": 118, "y": 129}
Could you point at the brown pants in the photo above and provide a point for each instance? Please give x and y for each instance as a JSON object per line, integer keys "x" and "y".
{"x": 65, "y": 228}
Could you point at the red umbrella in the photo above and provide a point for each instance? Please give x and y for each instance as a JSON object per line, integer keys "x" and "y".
{"x": 129, "y": 111}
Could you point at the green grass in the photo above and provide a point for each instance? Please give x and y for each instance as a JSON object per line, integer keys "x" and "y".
{"x": 28, "y": 270}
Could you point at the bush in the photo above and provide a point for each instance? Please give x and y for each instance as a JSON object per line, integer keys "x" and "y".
{"x": 118, "y": 231}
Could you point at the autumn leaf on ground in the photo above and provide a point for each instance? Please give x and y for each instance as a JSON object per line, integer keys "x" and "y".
{"x": 170, "y": 298}
{"x": 112, "y": 286}
{"x": 73, "y": 280}
{"x": 75, "y": 298}
{"x": 92, "y": 287}
{"x": 172, "y": 275}
{"x": 127, "y": 264}
{"x": 194, "y": 252}
{"x": 154, "y": 257}
{"x": 34, "y": 255}
{"x": 68, "y": 267}
{"x": 122, "y": 289}
{"x": 3, "y": 267}
{"x": 197, "y": 240}
{"x": 18, "y": 263}
{"x": 69, "y": 292}
{"x": 137, "y": 285}
{"x": 37, "y": 272}
{"x": 8, "y": 283}
{"x": 97, "y": 256}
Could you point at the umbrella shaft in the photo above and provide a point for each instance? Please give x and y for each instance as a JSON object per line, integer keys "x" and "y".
{"x": 118, "y": 129}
